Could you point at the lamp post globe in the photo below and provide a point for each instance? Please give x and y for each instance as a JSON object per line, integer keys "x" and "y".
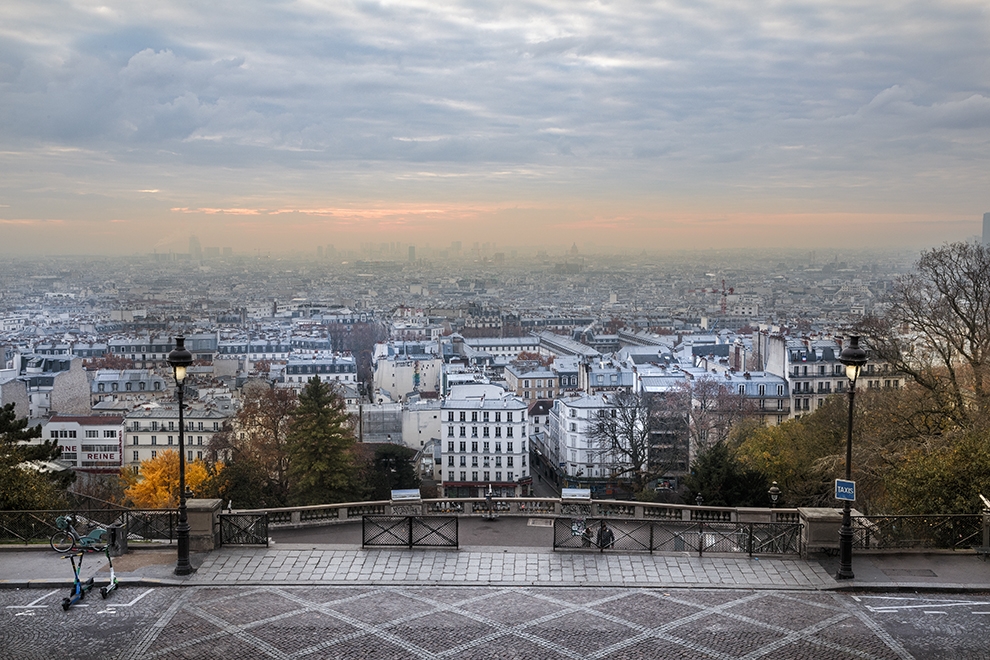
{"x": 853, "y": 357}
{"x": 774, "y": 494}
{"x": 179, "y": 358}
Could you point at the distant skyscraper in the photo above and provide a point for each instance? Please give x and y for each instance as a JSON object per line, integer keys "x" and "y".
{"x": 986, "y": 228}
{"x": 195, "y": 249}
{"x": 412, "y": 253}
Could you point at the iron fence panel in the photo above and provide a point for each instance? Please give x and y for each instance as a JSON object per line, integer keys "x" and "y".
{"x": 941, "y": 532}
{"x": 433, "y": 531}
{"x": 385, "y": 531}
{"x": 244, "y": 529}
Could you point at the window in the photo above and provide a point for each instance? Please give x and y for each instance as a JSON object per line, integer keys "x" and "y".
{"x": 474, "y": 431}
{"x": 199, "y": 426}
{"x": 450, "y": 418}
{"x": 498, "y": 431}
{"x": 199, "y": 440}
{"x": 216, "y": 426}
{"x": 463, "y": 416}
{"x": 450, "y": 476}
{"x": 484, "y": 416}
{"x": 134, "y": 439}
{"x": 508, "y": 447}
{"x": 484, "y": 447}
{"x": 508, "y": 461}
{"x": 474, "y": 476}
{"x": 463, "y": 432}
{"x": 463, "y": 446}
{"x": 474, "y": 461}
{"x": 450, "y": 461}
{"x": 508, "y": 417}
{"x": 109, "y": 434}
{"x": 474, "y": 415}
{"x": 190, "y": 455}
{"x": 498, "y": 416}
{"x": 450, "y": 433}
{"x": 487, "y": 475}
{"x": 763, "y": 390}
{"x": 573, "y": 427}
{"x": 463, "y": 461}
{"x": 96, "y": 434}
{"x": 170, "y": 439}
{"x": 508, "y": 431}
{"x": 154, "y": 440}
{"x": 474, "y": 446}
{"x": 450, "y": 445}
{"x": 498, "y": 461}
{"x": 498, "y": 447}
{"x": 780, "y": 390}
{"x": 498, "y": 476}
{"x": 463, "y": 476}
{"x": 508, "y": 476}
{"x": 199, "y": 455}
{"x": 154, "y": 454}
{"x": 154, "y": 426}
{"x": 484, "y": 432}
{"x": 742, "y": 390}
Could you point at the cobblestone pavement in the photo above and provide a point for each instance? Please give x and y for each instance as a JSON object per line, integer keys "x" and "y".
{"x": 500, "y": 567}
{"x": 490, "y": 622}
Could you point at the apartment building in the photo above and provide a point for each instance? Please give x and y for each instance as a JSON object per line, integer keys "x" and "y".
{"x": 484, "y": 443}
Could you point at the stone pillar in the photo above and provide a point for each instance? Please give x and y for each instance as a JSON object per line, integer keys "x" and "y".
{"x": 821, "y": 528}
{"x": 204, "y": 521}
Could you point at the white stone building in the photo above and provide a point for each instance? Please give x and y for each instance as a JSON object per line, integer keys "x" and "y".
{"x": 484, "y": 443}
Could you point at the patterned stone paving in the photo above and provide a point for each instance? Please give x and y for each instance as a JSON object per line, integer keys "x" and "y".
{"x": 517, "y": 622}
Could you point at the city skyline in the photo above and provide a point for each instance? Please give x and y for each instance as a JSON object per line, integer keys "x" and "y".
{"x": 131, "y": 126}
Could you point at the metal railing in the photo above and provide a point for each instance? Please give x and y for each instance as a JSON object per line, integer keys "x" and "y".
{"x": 671, "y": 536}
{"x": 946, "y": 532}
{"x": 243, "y": 529}
{"x": 38, "y": 526}
{"x": 409, "y": 531}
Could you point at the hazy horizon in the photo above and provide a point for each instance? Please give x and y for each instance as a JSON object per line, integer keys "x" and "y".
{"x": 129, "y": 126}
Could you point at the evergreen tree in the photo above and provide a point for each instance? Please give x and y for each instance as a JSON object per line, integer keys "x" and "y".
{"x": 391, "y": 468}
{"x": 724, "y": 481}
{"x": 320, "y": 444}
{"x": 23, "y": 487}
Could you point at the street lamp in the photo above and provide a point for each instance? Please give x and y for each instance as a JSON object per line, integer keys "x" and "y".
{"x": 774, "y": 494}
{"x": 854, "y": 358}
{"x": 179, "y": 359}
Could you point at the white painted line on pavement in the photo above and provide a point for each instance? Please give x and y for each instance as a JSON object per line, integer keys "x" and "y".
{"x": 32, "y": 604}
{"x": 932, "y": 612}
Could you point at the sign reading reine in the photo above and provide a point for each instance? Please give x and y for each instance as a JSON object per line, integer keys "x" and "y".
{"x": 845, "y": 490}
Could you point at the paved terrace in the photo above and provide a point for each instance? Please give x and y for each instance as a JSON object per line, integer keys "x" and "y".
{"x": 333, "y": 556}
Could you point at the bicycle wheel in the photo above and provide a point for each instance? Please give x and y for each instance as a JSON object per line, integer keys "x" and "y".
{"x": 62, "y": 542}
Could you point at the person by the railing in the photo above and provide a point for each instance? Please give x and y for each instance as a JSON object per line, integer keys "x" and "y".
{"x": 606, "y": 538}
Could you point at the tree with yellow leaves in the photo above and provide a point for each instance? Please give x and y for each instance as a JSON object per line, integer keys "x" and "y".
{"x": 157, "y": 486}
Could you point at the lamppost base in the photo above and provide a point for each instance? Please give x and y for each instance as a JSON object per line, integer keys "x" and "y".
{"x": 184, "y": 570}
{"x": 844, "y": 575}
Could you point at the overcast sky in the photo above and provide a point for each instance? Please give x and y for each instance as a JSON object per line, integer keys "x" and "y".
{"x": 127, "y": 126}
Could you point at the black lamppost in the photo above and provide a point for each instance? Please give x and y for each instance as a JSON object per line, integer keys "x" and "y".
{"x": 774, "y": 494}
{"x": 854, "y": 358}
{"x": 179, "y": 359}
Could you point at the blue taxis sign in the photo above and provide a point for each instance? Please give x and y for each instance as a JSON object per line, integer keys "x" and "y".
{"x": 845, "y": 490}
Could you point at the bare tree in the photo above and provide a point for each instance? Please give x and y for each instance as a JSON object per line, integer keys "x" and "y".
{"x": 641, "y": 437}
{"x": 937, "y": 329}
{"x": 715, "y": 409}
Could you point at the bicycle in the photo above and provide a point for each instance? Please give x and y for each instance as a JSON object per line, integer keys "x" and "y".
{"x": 67, "y": 538}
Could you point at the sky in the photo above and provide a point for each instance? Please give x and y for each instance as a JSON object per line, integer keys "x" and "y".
{"x": 127, "y": 126}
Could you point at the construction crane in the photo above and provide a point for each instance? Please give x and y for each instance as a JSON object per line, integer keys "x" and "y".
{"x": 725, "y": 294}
